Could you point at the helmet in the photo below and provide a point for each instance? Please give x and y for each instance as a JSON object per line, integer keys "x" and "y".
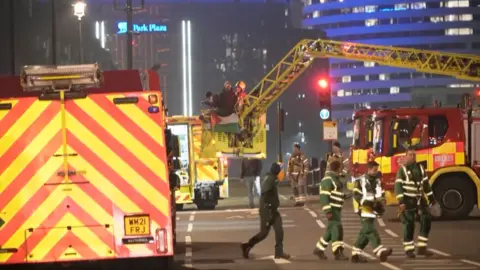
{"x": 241, "y": 84}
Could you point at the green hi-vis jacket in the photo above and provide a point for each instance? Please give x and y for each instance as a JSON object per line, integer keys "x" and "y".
{"x": 331, "y": 193}
{"x": 367, "y": 192}
{"x": 412, "y": 186}
{"x": 269, "y": 197}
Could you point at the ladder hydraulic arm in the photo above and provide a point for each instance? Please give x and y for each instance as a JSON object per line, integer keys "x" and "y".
{"x": 462, "y": 66}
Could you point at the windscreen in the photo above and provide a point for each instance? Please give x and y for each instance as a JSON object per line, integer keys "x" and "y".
{"x": 182, "y": 132}
{"x": 356, "y": 133}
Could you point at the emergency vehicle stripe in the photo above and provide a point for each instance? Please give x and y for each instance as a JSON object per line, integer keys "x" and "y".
{"x": 8, "y": 118}
{"x": 118, "y": 176}
{"x": 124, "y": 117}
{"x": 205, "y": 172}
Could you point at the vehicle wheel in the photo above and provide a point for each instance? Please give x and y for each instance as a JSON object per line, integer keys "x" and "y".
{"x": 455, "y": 196}
{"x": 179, "y": 207}
{"x": 206, "y": 206}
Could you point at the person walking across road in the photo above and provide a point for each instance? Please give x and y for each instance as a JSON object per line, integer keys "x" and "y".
{"x": 298, "y": 168}
{"x": 369, "y": 195}
{"x": 250, "y": 174}
{"x": 269, "y": 215}
{"x": 415, "y": 196}
{"x": 332, "y": 198}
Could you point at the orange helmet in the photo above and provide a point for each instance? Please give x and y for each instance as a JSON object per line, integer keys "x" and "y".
{"x": 241, "y": 84}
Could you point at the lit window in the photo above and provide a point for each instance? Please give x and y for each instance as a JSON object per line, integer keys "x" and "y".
{"x": 370, "y": 9}
{"x": 451, "y": 18}
{"x": 368, "y": 64}
{"x": 299, "y": 124}
{"x": 371, "y": 22}
{"x": 367, "y": 77}
{"x": 286, "y": 12}
{"x": 394, "y": 90}
{"x": 316, "y": 14}
{"x": 464, "y": 85}
{"x": 346, "y": 79}
{"x": 403, "y": 6}
{"x": 384, "y": 77}
{"x": 457, "y": 3}
{"x": 358, "y": 9}
{"x": 458, "y": 31}
{"x": 349, "y": 134}
{"x": 340, "y": 93}
{"x": 419, "y": 5}
{"x": 322, "y": 1}
{"x": 465, "y": 17}
{"x": 436, "y": 19}
{"x": 307, "y": 2}
{"x": 348, "y": 93}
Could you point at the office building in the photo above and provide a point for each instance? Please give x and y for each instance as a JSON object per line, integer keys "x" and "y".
{"x": 450, "y": 25}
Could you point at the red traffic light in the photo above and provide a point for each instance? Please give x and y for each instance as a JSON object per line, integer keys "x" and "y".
{"x": 323, "y": 83}
{"x": 477, "y": 92}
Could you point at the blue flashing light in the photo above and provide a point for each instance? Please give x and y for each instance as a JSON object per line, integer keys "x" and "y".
{"x": 141, "y": 28}
{"x": 153, "y": 109}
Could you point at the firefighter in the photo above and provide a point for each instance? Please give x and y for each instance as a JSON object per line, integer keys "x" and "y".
{"x": 337, "y": 155}
{"x": 414, "y": 195}
{"x": 332, "y": 198}
{"x": 297, "y": 174}
{"x": 369, "y": 195}
{"x": 269, "y": 215}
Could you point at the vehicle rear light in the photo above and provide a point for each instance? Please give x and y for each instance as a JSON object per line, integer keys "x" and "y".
{"x": 162, "y": 245}
{"x": 152, "y": 99}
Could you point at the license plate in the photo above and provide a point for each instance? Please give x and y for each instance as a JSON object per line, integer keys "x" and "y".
{"x": 137, "y": 225}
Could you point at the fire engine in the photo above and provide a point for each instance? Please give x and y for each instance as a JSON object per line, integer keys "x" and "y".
{"x": 447, "y": 142}
{"x": 203, "y": 175}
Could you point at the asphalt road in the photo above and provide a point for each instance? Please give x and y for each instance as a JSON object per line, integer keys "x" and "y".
{"x": 211, "y": 239}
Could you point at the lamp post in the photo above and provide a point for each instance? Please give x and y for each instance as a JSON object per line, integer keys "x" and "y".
{"x": 79, "y": 11}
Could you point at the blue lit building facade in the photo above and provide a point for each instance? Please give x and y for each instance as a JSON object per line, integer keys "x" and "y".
{"x": 452, "y": 25}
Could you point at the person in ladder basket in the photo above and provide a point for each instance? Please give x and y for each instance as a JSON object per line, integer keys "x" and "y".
{"x": 369, "y": 195}
{"x": 297, "y": 174}
{"x": 414, "y": 195}
{"x": 332, "y": 198}
{"x": 269, "y": 215}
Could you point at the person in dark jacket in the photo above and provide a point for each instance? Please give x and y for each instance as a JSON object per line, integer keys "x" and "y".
{"x": 269, "y": 215}
{"x": 227, "y": 100}
{"x": 250, "y": 173}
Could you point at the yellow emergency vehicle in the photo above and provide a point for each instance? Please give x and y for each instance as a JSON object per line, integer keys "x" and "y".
{"x": 203, "y": 174}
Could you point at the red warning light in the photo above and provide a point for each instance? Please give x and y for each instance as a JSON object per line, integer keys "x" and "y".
{"x": 477, "y": 92}
{"x": 323, "y": 83}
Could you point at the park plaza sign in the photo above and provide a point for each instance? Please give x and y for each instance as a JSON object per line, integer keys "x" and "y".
{"x": 141, "y": 28}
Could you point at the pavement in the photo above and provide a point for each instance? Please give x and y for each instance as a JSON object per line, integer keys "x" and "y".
{"x": 211, "y": 239}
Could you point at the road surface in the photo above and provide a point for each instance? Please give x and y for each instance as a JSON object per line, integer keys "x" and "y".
{"x": 211, "y": 240}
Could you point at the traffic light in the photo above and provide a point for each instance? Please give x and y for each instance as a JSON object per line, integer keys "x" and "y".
{"x": 324, "y": 98}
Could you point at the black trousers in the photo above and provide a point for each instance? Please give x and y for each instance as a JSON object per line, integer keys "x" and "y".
{"x": 269, "y": 218}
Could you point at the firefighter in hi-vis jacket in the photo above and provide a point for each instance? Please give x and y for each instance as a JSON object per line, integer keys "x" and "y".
{"x": 331, "y": 199}
{"x": 337, "y": 155}
{"x": 297, "y": 174}
{"x": 415, "y": 196}
{"x": 369, "y": 195}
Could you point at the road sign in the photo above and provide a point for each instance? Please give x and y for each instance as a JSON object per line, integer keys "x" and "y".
{"x": 330, "y": 130}
{"x": 324, "y": 114}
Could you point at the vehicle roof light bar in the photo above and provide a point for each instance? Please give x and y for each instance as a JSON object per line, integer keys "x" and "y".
{"x": 56, "y": 78}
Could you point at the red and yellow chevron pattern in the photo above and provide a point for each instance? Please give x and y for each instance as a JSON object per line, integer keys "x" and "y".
{"x": 207, "y": 169}
{"x": 116, "y": 167}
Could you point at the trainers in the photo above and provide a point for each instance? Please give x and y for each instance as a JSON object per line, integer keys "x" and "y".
{"x": 384, "y": 254}
{"x": 245, "y": 250}
{"x": 358, "y": 259}
{"x": 423, "y": 251}
{"x": 320, "y": 254}
{"x": 339, "y": 256}
{"x": 284, "y": 256}
{"x": 410, "y": 254}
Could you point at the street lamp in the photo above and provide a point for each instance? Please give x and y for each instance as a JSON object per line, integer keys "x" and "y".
{"x": 79, "y": 11}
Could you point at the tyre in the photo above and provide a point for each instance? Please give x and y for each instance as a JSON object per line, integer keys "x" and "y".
{"x": 179, "y": 207}
{"x": 455, "y": 196}
{"x": 206, "y": 206}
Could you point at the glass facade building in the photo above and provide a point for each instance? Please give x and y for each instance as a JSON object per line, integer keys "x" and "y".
{"x": 452, "y": 25}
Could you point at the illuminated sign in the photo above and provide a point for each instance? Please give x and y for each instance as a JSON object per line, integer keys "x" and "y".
{"x": 141, "y": 28}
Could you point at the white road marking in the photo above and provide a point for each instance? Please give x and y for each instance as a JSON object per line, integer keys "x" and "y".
{"x": 446, "y": 268}
{"x": 231, "y": 211}
{"x": 192, "y": 217}
{"x": 439, "y": 252}
{"x": 190, "y": 227}
{"x": 471, "y": 262}
{"x": 391, "y": 233}
{"x": 283, "y": 197}
{"x": 380, "y": 221}
{"x": 313, "y": 214}
{"x": 178, "y": 218}
{"x": 371, "y": 257}
{"x": 188, "y": 240}
{"x": 276, "y": 261}
{"x": 320, "y": 223}
{"x": 420, "y": 261}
